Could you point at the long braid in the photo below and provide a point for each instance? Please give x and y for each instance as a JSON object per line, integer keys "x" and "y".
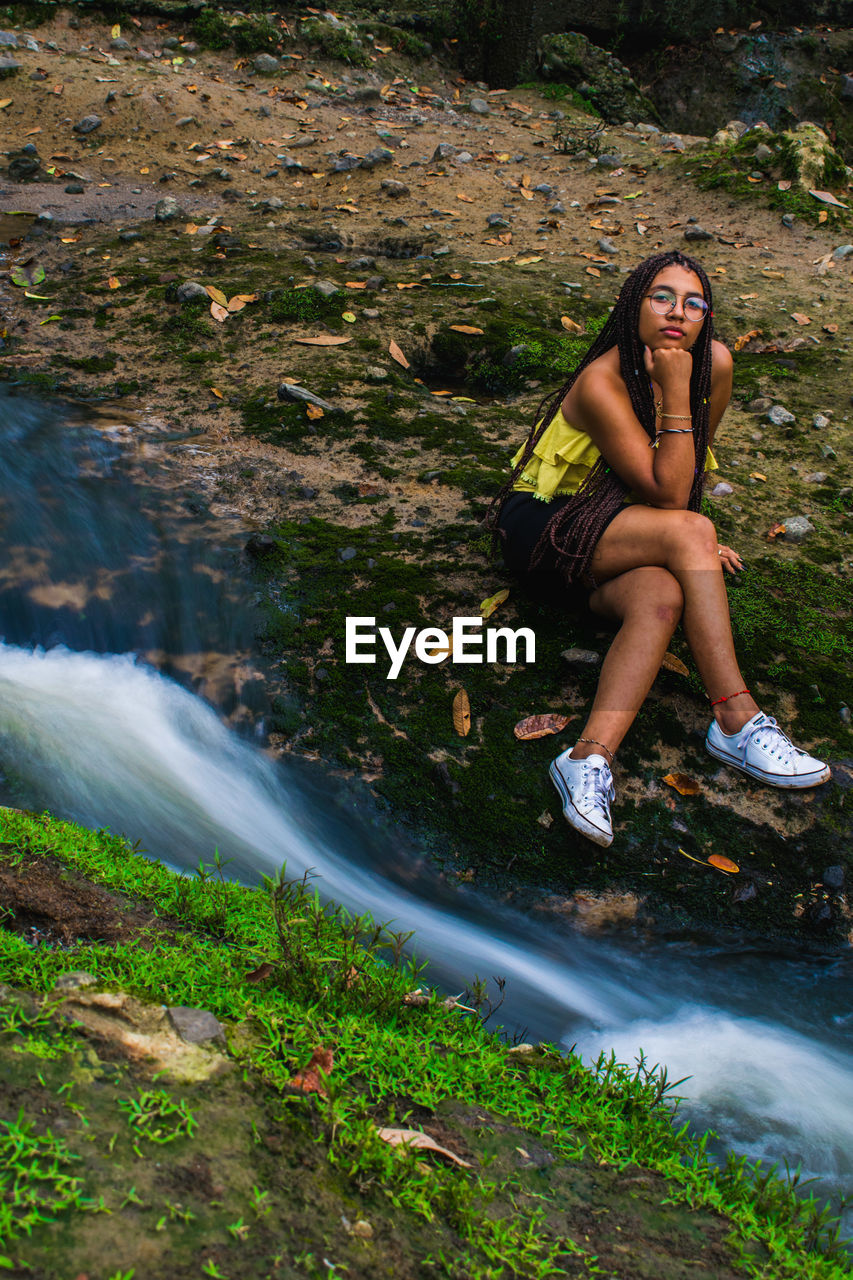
{"x": 573, "y": 532}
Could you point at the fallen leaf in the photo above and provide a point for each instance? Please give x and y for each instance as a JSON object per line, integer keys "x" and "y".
{"x": 528, "y": 195}
{"x": 826, "y": 197}
{"x": 356, "y": 284}
{"x": 216, "y": 295}
{"x": 415, "y": 285}
{"x": 772, "y": 275}
{"x": 349, "y": 317}
{"x": 461, "y": 714}
{"x": 114, "y": 282}
{"x": 488, "y": 606}
{"x": 422, "y": 1141}
{"x": 235, "y": 304}
{"x": 466, "y": 328}
{"x": 540, "y": 726}
{"x": 525, "y": 262}
{"x": 571, "y": 325}
{"x": 263, "y": 971}
{"x": 115, "y": 31}
{"x": 593, "y": 271}
{"x": 4, "y": 103}
{"x": 324, "y": 340}
{"x": 683, "y": 784}
{"x": 32, "y": 132}
{"x": 219, "y": 312}
{"x": 830, "y": 328}
{"x": 784, "y": 185}
{"x": 396, "y": 354}
{"x": 49, "y": 319}
{"x": 775, "y": 531}
{"x": 746, "y": 338}
{"x": 313, "y": 411}
{"x": 58, "y": 89}
{"x": 822, "y": 216}
{"x": 758, "y": 475}
{"x": 460, "y": 195}
{"x": 190, "y": 229}
{"x": 723, "y": 864}
{"x": 26, "y": 274}
{"x": 800, "y": 317}
{"x": 669, "y": 662}
{"x": 308, "y": 1080}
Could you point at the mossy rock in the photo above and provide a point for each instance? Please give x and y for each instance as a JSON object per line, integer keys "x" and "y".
{"x": 335, "y": 39}
{"x": 596, "y": 74}
{"x": 811, "y": 159}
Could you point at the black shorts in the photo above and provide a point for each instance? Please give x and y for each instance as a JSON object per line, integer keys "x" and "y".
{"x": 522, "y": 521}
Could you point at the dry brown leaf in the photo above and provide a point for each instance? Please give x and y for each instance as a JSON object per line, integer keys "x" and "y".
{"x": 775, "y": 531}
{"x": 460, "y": 195}
{"x": 466, "y": 328}
{"x": 528, "y": 195}
{"x": 219, "y": 312}
{"x": 414, "y": 285}
{"x": 683, "y": 784}
{"x": 524, "y": 262}
{"x": 826, "y": 197}
{"x": 313, "y": 411}
{"x": 489, "y": 605}
{"x": 830, "y": 328}
{"x": 723, "y": 864}
{"x": 800, "y": 317}
{"x": 216, "y": 295}
{"x": 593, "y": 271}
{"x": 540, "y": 726}
{"x": 214, "y": 391}
{"x": 263, "y": 971}
{"x": 758, "y": 475}
{"x": 235, "y": 304}
{"x": 784, "y": 185}
{"x": 190, "y": 229}
{"x": 462, "y": 714}
{"x": 414, "y": 1138}
{"x": 571, "y": 325}
{"x": 323, "y": 340}
{"x": 822, "y": 216}
{"x": 396, "y": 354}
{"x": 355, "y": 284}
{"x": 114, "y": 282}
{"x": 309, "y": 1080}
{"x": 746, "y": 338}
{"x": 671, "y": 663}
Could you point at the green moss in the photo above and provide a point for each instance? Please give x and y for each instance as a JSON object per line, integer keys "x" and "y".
{"x": 91, "y": 364}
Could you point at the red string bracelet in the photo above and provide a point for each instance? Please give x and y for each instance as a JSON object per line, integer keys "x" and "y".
{"x": 717, "y": 701}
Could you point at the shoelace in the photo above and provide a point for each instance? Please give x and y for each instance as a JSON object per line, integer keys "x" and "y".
{"x": 780, "y": 745}
{"x": 603, "y": 790}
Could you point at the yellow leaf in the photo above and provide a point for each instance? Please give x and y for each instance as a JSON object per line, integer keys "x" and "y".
{"x": 466, "y": 328}
{"x": 4, "y": 103}
{"x": 215, "y": 392}
{"x": 219, "y": 312}
{"x": 684, "y": 785}
{"x": 313, "y": 411}
{"x": 540, "y": 726}
{"x": 571, "y": 325}
{"x": 216, "y": 295}
{"x": 758, "y": 475}
{"x": 822, "y": 216}
{"x": 356, "y": 284}
{"x": 349, "y": 317}
{"x": 115, "y": 31}
{"x": 524, "y": 262}
{"x": 324, "y": 340}
{"x": 396, "y": 354}
{"x": 114, "y": 282}
{"x": 460, "y": 195}
{"x": 145, "y": 170}
{"x": 190, "y": 229}
{"x": 723, "y": 864}
{"x": 593, "y": 271}
{"x": 671, "y": 663}
{"x": 462, "y": 714}
{"x": 528, "y": 195}
{"x": 488, "y": 606}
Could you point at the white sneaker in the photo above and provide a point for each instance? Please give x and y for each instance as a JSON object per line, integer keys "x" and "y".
{"x": 586, "y": 789}
{"x": 763, "y": 751}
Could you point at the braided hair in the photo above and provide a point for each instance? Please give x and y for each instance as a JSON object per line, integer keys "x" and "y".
{"x": 573, "y": 531}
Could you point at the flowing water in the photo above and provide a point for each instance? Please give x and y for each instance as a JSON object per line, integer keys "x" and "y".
{"x": 111, "y": 577}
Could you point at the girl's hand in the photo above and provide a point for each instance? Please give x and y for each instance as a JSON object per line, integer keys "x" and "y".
{"x": 730, "y": 560}
{"x": 669, "y": 366}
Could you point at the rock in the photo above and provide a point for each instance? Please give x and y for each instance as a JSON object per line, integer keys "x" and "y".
{"x": 273, "y": 203}
{"x": 833, "y": 878}
{"x": 673, "y": 141}
{"x": 260, "y": 544}
{"x": 190, "y": 47}
{"x": 827, "y": 451}
{"x": 816, "y": 477}
{"x": 348, "y": 553}
{"x": 184, "y": 121}
{"x": 844, "y": 713}
{"x": 168, "y": 209}
{"x": 514, "y": 354}
{"x": 8, "y": 67}
{"x": 8, "y": 40}
{"x": 559, "y": 207}
{"x": 544, "y": 189}
{"x": 74, "y": 189}
{"x": 22, "y": 167}
{"x": 648, "y": 129}
{"x": 697, "y": 233}
{"x": 379, "y": 155}
{"x": 581, "y": 657}
{"x": 464, "y": 157}
{"x": 788, "y": 220}
{"x": 610, "y": 160}
{"x": 325, "y": 288}
{"x": 813, "y": 157}
{"x": 479, "y": 106}
{"x": 445, "y": 151}
{"x": 171, "y": 42}
{"x": 120, "y": 45}
{"x": 496, "y": 220}
{"x": 762, "y": 153}
{"x": 128, "y": 237}
{"x": 344, "y": 164}
{"x": 571, "y": 58}
{"x": 88, "y": 124}
{"x": 291, "y": 164}
{"x": 196, "y": 1026}
{"x": 761, "y": 405}
{"x": 191, "y": 291}
{"x": 797, "y": 528}
{"x": 721, "y": 490}
{"x": 780, "y": 416}
{"x": 394, "y": 189}
{"x": 265, "y": 64}
{"x": 75, "y": 980}
{"x": 287, "y": 391}
{"x": 745, "y": 892}
{"x": 375, "y": 373}
{"x": 843, "y": 251}
{"x": 606, "y": 245}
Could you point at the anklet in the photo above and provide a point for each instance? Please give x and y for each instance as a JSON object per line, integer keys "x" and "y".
{"x": 593, "y": 742}
{"x": 717, "y": 701}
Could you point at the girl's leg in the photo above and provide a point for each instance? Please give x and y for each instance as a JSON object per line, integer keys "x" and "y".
{"x": 685, "y": 544}
{"x": 648, "y": 603}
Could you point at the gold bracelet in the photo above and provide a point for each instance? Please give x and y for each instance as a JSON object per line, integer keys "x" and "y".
{"x": 682, "y": 417}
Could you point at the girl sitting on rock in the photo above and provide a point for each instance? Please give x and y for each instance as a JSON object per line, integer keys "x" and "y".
{"x": 602, "y": 507}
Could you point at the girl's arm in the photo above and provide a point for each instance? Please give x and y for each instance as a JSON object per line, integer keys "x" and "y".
{"x": 721, "y": 386}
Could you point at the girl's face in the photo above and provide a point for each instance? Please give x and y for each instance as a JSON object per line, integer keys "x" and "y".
{"x": 673, "y": 311}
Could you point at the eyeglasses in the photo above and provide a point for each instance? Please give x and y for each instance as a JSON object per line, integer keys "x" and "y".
{"x": 663, "y": 300}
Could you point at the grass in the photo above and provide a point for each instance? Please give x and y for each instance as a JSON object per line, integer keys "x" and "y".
{"x": 321, "y": 977}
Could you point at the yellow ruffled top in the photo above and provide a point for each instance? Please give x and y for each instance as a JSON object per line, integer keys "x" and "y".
{"x": 561, "y": 460}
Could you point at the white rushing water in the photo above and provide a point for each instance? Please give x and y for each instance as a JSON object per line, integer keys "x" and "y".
{"x": 112, "y": 743}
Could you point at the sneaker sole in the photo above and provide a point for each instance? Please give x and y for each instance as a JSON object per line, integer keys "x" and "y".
{"x": 788, "y": 783}
{"x": 576, "y": 819}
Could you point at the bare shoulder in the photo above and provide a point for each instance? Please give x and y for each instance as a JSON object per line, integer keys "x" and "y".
{"x": 603, "y": 376}
{"x": 721, "y": 360}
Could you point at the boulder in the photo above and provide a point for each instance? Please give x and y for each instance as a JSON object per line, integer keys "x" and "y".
{"x": 573, "y": 59}
{"x": 88, "y": 125}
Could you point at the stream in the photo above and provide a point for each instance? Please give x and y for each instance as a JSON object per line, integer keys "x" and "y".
{"x": 130, "y": 699}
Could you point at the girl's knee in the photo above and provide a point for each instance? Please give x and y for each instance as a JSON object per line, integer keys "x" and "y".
{"x": 695, "y": 531}
{"x": 659, "y": 595}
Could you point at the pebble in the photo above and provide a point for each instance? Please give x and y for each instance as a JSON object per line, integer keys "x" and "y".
{"x": 479, "y": 106}
{"x": 697, "y": 233}
{"x": 325, "y": 288}
{"x": 344, "y": 164}
{"x": 833, "y": 877}
{"x": 797, "y": 528}
{"x": 559, "y": 207}
{"x": 274, "y": 202}
{"x": 394, "y": 189}
{"x": 672, "y": 140}
{"x": 302, "y": 396}
{"x": 74, "y": 189}
{"x": 496, "y": 220}
{"x": 827, "y": 451}
{"x": 265, "y": 64}
{"x": 88, "y": 124}
{"x": 721, "y": 490}
{"x": 445, "y": 151}
{"x": 649, "y": 129}
{"x": 375, "y": 372}
{"x": 379, "y": 155}
{"x": 788, "y": 220}
{"x": 120, "y": 45}
{"x": 75, "y": 980}
{"x": 348, "y": 553}
{"x": 761, "y": 405}
{"x": 581, "y": 657}
{"x": 8, "y": 40}
{"x": 843, "y": 251}
{"x": 191, "y": 291}
{"x": 606, "y": 245}
{"x": 763, "y": 153}
{"x": 196, "y": 1026}
{"x": 780, "y": 416}
{"x": 819, "y": 422}
{"x": 816, "y": 477}
{"x": 372, "y": 313}
{"x": 610, "y": 160}
{"x": 464, "y": 157}
{"x": 8, "y": 67}
{"x": 544, "y": 189}
{"x": 184, "y": 121}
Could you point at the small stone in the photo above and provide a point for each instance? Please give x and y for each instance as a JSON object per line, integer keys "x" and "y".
{"x": 196, "y": 1026}
{"x": 287, "y": 391}
{"x": 184, "y": 121}
{"x": 445, "y": 151}
{"x": 325, "y": 288}
{"x": 648, "y": 129}
{"x": 843, "y": 251}
{"x": 8, "y": 67}
{"x": 827, "y": 451}
{"x": 394, "y": 189}
{"x": 479, "y": 106}
{"x": 496, "y": 220}
{"x": 265, "y": 64}
{"x": 816, "y": 477}
{"x": 22, "y": 167}
{"x": 606, "y": 245}
{"x": 362, "y": 1229}
{"x": 273, "y": 203}
{"x": 373, "y": 285}
{"x": 797, "y": 528}
{"x": 191, "y": 291}
{"x": 348, "y": 553}
{"x": 74, "y": 189}
{"x": 379, "y": 155}
{"x": 559, "y": 207}
{"x": 75, "y": 980}
{"x": 672, "y": 140}
{"x": 697, "y": 233}
{"x": 8, "y": 40}
{"x": 763, "y": 153}
{"x": 833, "y": 877}
{"x": 128, "y": 237}
{"x": 780, "y": 416}
{"x": 819, "y": 422}
{"x": 844, "y": 713}
{"x": 721, "y": 490}
{"x": 344, "y": 164}
{"x": 544, "y": 189}
{"x": 375, "y": 372}
{"x": 745, "y": 892}
{"x": 788, "y": 220}
{"x": 761, "y": 405}
{"x": 189, "y": 47}
{"x": 88, "y": 124}
{"x": 120, "y": 45}
{"x": 610, "y": 160}
{"x": 464, "y": 157}
{"x": 371, "y": 313}
{"x": 581, "y": 657}
{"x": 168, "y": 210}
{"x": 171, "y": 42}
